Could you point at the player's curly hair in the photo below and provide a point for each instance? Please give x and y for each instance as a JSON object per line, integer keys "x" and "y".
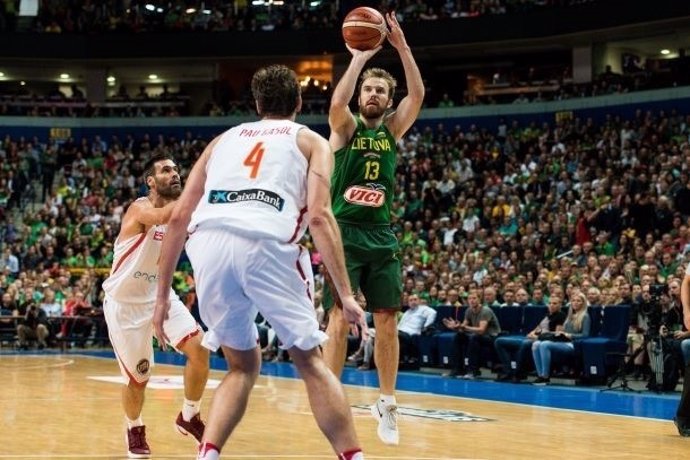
{"x": 376, "y": 72}
{"x": 276, "y": 91}
{"x": 150, "y": 166}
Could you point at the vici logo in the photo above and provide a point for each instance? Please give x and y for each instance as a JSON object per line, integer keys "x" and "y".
{"x": 365, "y": 196}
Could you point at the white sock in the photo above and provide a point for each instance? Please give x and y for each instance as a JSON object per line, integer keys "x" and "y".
{"x": 208, "y": 451}
{"x": 190, "y": 409}
{"x": 358, "y": 456}
{"x": 387, "y": 399}
{"x": 133, "y": 423}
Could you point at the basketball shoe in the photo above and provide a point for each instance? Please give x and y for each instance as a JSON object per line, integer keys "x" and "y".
{"x": 194, "y": 426}
{"x": 683, "y": 427}
{"x": 136, "y": 442}
{"x": 387, "y": 416}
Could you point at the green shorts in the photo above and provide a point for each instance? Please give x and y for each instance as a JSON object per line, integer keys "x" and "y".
{"x": 372, "y": 257}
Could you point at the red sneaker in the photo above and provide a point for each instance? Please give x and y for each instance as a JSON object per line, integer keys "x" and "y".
{"x": 195, "y": 426}
{"x": 136, "y": 440}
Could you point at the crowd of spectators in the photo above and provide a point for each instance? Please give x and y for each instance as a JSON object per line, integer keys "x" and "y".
{"x": 88, "y": 16}
{"x": 516, "y": 213}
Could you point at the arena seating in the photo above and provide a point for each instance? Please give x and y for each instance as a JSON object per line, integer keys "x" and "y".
{"x": 609, "y": 331}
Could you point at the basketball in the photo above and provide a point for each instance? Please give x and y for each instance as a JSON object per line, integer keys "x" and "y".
{"x": 364, "y": 28}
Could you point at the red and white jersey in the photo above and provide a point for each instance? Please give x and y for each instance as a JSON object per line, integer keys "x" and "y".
{"x": 134, "y": 274}
{"x": 256, "y": 183}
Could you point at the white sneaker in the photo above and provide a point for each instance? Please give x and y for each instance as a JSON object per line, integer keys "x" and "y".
{"x": 387, "y": 416}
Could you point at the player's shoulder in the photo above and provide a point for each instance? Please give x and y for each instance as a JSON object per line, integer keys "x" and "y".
{"x": 309, "y": 135}
{"x": 137, "y": 205}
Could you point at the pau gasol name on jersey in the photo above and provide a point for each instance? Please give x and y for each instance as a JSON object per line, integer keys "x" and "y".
{"x": 252, "y": 194}
{"x": 373, "y": 195}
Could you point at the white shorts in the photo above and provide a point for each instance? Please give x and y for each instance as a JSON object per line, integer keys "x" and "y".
{"x": 237, "y": 276}
{"x": 130, "y": 328}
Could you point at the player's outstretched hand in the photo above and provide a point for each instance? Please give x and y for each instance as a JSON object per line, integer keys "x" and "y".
{"x": 395, "y": 37}
{"x": 160, "y": 314}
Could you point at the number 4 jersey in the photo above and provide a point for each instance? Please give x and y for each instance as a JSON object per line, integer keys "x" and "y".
{"x": 362, "y": 188}
{"x": 256, "y": 183}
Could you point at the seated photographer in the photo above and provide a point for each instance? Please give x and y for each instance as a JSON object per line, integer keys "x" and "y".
{"x": 666, "y": 336}
{"x": 638, "y": 329}
{"x": 33, "y": 327}
{"x": 577, "y": 325}
{"x": 505, "y": 346}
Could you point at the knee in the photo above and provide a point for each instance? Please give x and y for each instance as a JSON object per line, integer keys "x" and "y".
{"x": 198, "y": 356}
{"x": 244, "y": 362}
{"x": 386, "y": 322}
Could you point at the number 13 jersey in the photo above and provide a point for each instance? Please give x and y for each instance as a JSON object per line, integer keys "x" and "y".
{"x": 362, "y": 187}
{"x": 256, "y": 183}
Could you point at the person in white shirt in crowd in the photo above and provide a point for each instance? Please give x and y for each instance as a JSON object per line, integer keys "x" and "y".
{"x": 412, "y": 323}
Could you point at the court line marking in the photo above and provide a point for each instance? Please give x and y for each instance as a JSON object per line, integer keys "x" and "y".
{"x": 262, "y": 456}
{"x": 409, "y": 392}
{"x": 68, "y": 362}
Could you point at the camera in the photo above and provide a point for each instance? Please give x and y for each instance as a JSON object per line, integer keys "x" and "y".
{"x": 657, "y": 290}
{"x": 652, "y": 310}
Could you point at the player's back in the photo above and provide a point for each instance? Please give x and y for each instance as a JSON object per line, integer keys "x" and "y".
{"x": 256, "y": 182}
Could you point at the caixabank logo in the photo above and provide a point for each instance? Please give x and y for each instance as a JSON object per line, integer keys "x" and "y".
{"x": 253, "y": 194}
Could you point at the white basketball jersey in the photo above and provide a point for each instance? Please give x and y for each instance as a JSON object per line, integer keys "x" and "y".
{"x": 256, "y": 183}
{"x": 134, "y": 274}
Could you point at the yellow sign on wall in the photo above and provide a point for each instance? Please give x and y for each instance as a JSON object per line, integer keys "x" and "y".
{"x": 60, "y": 133}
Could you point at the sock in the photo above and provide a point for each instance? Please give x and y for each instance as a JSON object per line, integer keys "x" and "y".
{"x": 352, "y": 454}
{"x": 134, "y": 423}
{"x": 208, "y": 451}
{"x": 387, "y": 400}
{"x": 190, "y": 409}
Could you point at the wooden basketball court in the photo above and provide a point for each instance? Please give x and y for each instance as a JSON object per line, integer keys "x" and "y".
{"x": 52, "y": 407}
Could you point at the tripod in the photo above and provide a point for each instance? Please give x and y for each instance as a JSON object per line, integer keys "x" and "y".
{"x": 622, "y": 374}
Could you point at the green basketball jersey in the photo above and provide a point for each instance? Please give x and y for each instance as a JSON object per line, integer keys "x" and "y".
{"x": 363, "y": 179}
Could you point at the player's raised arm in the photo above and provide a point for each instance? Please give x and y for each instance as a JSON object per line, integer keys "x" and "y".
{"x": 408, "y": 109}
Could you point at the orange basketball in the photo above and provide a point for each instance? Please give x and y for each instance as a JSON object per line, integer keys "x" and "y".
{"x": 364, "y": 28}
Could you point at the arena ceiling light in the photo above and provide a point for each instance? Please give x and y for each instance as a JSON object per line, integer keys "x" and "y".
{"x": 190, "y": 10}
{"x": 665, "y": 51}
{"x": 64, "y": 76}
{"x": 153, "y": 76}
{"x": 110, "y": 79}
{"x": 2, "y": 74}
{"x": 150, "y": 7}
